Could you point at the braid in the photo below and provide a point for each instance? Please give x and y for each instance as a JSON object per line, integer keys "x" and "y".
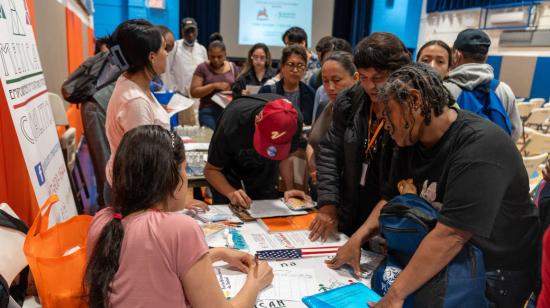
{"x": 423, "y": 78}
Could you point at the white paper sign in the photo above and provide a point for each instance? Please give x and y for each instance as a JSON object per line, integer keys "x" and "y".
{"x": 24, "y": 88}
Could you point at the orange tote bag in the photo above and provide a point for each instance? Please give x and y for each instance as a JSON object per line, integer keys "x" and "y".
{"x": 57, "y": 258}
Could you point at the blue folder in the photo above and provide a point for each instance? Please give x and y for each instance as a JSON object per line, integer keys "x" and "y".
{"x": 350, "y": 296}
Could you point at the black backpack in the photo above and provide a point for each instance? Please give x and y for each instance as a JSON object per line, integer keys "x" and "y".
{"x": 82, "y": 84}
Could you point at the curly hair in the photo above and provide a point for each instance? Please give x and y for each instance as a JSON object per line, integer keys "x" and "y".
{"x": 424, "y": 79}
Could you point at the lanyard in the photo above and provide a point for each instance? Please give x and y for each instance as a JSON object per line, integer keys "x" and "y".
{"x": 369, "y": 141}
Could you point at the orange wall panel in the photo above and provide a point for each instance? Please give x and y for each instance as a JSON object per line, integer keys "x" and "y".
{"x": 15, "y": 185}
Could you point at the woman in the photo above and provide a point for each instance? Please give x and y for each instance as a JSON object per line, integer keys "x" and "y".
{"x": 436, "y": 54}
{"x": 256, "y": 72}
{"x": 293, "y": 67}
{"x": 338, "y": 72}
{"x": 142, "y": 253}
{"x": 353, "y": 154}
{"x": 321, "y": 97}
{"x": 212, "y": 77}
{"x": 132, "y": 104}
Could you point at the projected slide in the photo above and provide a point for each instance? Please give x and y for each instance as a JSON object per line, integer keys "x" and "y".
{"x": 265, "y": 21}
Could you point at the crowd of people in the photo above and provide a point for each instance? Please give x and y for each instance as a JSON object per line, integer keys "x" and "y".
{"x": 381, "y": 126}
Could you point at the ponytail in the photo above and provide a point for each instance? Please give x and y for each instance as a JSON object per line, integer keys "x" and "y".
{"x": 104, "y": 263}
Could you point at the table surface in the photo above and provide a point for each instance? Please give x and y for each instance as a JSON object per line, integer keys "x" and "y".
{"x": 257, "y": 237}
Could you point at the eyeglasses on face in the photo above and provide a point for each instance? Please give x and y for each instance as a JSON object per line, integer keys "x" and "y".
{"x": 300, "y": 67}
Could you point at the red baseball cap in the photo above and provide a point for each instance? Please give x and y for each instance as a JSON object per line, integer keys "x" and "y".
{"x": 275, "y": 127}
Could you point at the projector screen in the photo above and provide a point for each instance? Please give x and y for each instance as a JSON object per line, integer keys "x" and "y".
{"x": 264, "y": 21}
{"x": 244, "y": 23}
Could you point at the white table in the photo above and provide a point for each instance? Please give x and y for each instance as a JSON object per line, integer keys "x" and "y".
{"x": 257, "y": 238}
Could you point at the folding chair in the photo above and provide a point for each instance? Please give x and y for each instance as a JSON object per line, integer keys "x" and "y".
{"x": 539, "y": 119}
{"x": 532, "y": 164}
{"x": 537, "y": 143}
{"x": 537, "y": 101}
{"x": 525, "y": 110}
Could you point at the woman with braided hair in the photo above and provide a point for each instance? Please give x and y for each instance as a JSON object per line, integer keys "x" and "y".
{"x": 469, "y": 170}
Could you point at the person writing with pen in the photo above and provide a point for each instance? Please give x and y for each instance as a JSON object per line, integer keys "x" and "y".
{"x": 251, "y": 147}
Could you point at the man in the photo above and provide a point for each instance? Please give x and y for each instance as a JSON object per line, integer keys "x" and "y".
{"x": 182, "y": 62}
{"x": 250, "y": 147}
{"x": 349, "y": 171}
{"x": 470, "y": 51}
{"x": 297, "y": 35}
{"x": 468, "y": 169}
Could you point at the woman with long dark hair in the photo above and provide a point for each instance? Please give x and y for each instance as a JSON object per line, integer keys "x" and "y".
{"x": 139, "y": 45}
{"x": 141, "y": 253}
{"x": 256, "y": 71}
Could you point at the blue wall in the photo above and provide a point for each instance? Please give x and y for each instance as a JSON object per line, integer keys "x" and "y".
{"x": 400, "y": 17}
{"x": 541, "y": 79}
{"x": 109, "y": 13}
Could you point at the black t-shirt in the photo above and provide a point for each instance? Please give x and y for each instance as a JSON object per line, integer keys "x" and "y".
{"x": 476, "y": 177}
{"x": 232, "y": 149}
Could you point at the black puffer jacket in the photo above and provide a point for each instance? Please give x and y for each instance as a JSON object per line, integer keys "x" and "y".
{"x": 341, "y": 157}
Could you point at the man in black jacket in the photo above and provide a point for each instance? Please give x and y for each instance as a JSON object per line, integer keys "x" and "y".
{"x": 350, "y": 154}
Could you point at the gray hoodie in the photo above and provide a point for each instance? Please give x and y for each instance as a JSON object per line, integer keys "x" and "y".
{"x": 468, "y": 76}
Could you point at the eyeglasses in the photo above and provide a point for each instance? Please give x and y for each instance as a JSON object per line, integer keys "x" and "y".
{"x": 300, "y": 67}
{"x": 258, "y": 58}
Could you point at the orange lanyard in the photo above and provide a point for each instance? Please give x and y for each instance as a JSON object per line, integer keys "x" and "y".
{"x": 376, "y": 132}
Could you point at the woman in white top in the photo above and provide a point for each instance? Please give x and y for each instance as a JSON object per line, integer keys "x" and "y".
{"x": 132, "y": 103}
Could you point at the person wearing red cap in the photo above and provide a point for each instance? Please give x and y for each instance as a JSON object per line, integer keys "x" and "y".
{"x": 250, "y": 148}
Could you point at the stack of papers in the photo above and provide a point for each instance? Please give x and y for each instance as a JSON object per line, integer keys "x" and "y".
{"x": 217, "y": 213}
{"x": 271, "y": 208}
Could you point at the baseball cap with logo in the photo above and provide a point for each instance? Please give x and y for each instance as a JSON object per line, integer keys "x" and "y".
{"x": 275, "y": 127}
{"x": 188, "y": 23}
{"x": 472, "y": 40}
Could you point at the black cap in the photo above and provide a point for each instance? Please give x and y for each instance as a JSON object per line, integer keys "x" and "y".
{"x": 471, "y": 40}
{"x": 188, "y": 23}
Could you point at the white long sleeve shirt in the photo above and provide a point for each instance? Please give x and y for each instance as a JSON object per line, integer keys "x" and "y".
{"x": 181, "y": 64}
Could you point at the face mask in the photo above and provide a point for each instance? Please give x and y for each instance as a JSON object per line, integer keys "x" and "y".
{"x": 186, "y": 43}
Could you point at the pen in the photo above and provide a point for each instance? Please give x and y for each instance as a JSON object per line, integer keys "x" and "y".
{"x": 242, "y": 185}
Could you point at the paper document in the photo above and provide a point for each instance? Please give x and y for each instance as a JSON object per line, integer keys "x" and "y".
{"x": 288, "y": 284}
{"x": 221, "y": 99}
{"x": 252, "y": 89}
{"x": 295, "y": 239}
{"x": 271, "y": 208}
{"x": 287, "y": 224}
{"x": 178, "y": 103}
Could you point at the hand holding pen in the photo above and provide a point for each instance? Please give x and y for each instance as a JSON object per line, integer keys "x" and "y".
{"x": 240, "y": 198}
